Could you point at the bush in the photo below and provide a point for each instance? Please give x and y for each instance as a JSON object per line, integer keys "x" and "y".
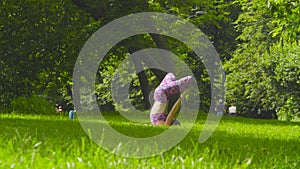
{"x": 267, "y": 81}
{"x": 290, "y": 110}
{"x": 31, "y": 105}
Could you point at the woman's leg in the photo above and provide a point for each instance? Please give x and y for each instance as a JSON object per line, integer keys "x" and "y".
{"x": 171, "y": 115}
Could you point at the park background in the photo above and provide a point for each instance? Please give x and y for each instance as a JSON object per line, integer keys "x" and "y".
{"x": 257, "y": 41}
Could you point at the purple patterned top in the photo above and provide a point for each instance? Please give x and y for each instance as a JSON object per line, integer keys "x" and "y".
{"x": 170, "y": 86}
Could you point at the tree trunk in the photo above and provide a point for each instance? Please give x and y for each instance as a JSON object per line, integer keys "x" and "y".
{"x": 162, "y": 44}
{"x": 76, "y": 92}
{"x": 143, "y": 82}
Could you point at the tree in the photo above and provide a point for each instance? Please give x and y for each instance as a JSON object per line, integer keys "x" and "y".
{"x": 213, "y": 19}
{"x": 40, "y": 41}
{"x": 269, "y": 35}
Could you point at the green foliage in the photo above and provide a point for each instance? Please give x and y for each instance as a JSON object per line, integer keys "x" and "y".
{"x": 32, "y": 105}
{"x": 285, "y": 18}
{"x": 283, "y": 66}
{"x": 216, "y": 23}
{"x": 39, "y": 44}
{"x": 290, "y": 109}
{"x": 265, "y": 22}
{"x": 40, "y": 41}
{"x": 263, "y": 74}
{"x": 266, "y": 82}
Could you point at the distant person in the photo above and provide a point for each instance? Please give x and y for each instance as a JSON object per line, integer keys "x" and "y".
{"x": 220, "y": 108}
{"x": 72, "y": 113}
{"x": 59, "y": 109}
{"x": 168, "y": 87}
{"x": 232, "y": 110}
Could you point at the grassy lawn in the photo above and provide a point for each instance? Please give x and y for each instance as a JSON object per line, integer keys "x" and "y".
{"x": 35, "y": 141}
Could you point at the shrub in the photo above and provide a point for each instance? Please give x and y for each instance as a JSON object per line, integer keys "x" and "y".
{"x": 32, "y": 105}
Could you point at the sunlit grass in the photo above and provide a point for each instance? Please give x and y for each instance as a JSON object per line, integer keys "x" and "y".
{"x": 36, "y": 141}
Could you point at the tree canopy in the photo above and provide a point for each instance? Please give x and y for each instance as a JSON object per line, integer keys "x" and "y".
{"x": 263, "y": 75}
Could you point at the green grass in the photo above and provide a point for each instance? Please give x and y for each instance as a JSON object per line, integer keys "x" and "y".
{"x": 35, "y": 141}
